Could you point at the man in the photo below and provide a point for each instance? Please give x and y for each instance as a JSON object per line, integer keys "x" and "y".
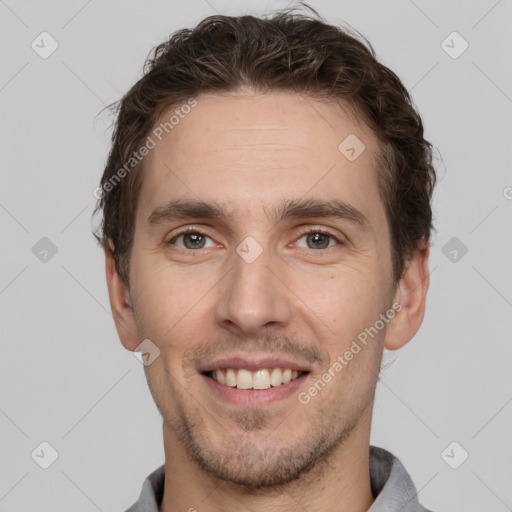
{"x": 266, "y": 225}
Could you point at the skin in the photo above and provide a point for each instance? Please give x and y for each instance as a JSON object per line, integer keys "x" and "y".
{"x": 250, "y": 152}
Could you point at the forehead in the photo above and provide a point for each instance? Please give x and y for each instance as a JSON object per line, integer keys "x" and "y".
{"x": 248, "y": 149}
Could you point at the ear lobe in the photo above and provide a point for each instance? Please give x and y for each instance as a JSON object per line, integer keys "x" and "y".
{"x": 411, "y": 293}
{"x": 120, "y": 302}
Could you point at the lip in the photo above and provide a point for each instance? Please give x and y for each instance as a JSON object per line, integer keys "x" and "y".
{"x": 253, "y": 398}
{"x": 252, "y": 363}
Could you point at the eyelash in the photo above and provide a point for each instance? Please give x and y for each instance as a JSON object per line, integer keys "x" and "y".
{"x": 192, "y": 230}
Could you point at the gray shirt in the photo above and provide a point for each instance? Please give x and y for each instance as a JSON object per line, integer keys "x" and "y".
{"x": 392, "y": 486}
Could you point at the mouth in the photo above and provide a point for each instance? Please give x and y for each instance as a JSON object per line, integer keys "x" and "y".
{"x": 252, "y": 381}
{"x": 260, "y": 379}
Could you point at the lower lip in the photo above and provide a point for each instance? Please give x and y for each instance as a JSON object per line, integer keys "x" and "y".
{"x": 253, "y": 398}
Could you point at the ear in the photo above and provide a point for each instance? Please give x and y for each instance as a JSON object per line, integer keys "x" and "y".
{"x": 120, "y": 302}
{"x": 411, "y": 293}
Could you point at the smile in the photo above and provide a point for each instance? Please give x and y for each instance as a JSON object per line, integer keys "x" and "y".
{"x": 263, "y": 378}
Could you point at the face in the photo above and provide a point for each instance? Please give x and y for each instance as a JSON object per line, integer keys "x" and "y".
{"x": 261, "y": 252}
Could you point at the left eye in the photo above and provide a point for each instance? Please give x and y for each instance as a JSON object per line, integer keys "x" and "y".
{"x": 319, "y": 240}
{"x": 191, "y": 240}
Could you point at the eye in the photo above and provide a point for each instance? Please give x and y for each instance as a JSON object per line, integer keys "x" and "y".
{"x": 319, "y": 239}
{"x": 191, "y": 239}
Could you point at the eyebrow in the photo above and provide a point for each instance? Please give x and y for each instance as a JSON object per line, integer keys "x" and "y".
{"x": 180, "y": 209}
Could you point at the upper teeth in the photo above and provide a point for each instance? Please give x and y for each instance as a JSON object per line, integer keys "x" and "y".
{"x": 260, "y": 379}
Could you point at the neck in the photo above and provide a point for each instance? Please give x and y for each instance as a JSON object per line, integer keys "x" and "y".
{"x": 339, "y": 484}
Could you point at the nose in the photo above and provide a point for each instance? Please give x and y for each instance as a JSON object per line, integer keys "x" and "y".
{"x": 253, "y": 296}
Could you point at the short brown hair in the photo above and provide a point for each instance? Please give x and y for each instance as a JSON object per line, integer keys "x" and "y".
{"x": 288, "y": 51}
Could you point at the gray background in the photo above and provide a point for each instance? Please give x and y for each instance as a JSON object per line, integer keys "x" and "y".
{"x": 65, "y": 377}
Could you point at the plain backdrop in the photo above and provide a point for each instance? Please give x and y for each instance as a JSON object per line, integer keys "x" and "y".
{"x": 65, "y": 378}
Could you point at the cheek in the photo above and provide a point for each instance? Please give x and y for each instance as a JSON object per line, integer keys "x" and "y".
{"x": 173, "y": 309}
{"x": 163, "y": 298}
{"x": 345, "y": 302}
{"x": 349, "y": 307}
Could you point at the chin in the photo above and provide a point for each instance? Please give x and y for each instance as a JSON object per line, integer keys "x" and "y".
{"x": 262, "y": 460}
